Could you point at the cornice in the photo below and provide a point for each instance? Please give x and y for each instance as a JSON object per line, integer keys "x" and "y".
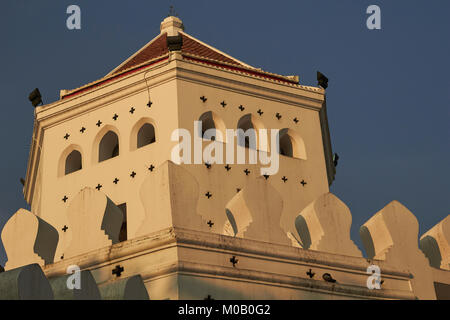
{"x": 180, "y": 239}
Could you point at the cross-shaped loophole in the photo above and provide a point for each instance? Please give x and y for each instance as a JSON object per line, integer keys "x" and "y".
{"x": 296, "y": 120}
{"x": 115, "y": 116}
{"x": 67, "y": 136}
{"x": 98, "y": 187}
{"x": 115, "y": 181}
{"x": 149, "y": 104}
{"x": 223, "y": 104}
{"x": 118, "y": 270}
{"x": 203, "y": 98}
{"x": 247, "y": 172}
{"x": 132, "y": 110}
{"x": 241, "y": 107}
{"x": 65, "y": 198}
{"x": 99, "y": 123}
{"x": 210, "y": 223}
{"x": 83, "y": 129}
{"x": 310, "y": 273}
{"x": 208, "y": 195}
{"x": 132, "y": 174}
{"x": 65, "y": 228}
{"x": 151, "y": 167}
{"x": 266, "y": 176}
{"x": 284, "y": 179}
{"x": 278, "y": 115}
{"x": 234, "y": 261}
{"x": 260, "y": 112}
{"x": 228, "y": 167}
{"x": 303, "y": 182}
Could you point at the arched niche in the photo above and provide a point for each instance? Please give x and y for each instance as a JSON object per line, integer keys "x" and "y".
{"x": 143, "y": 133}
{"x": 106, "y": 144}
{"x": 247, "y": 122}
{"x": 291, "y": 144}
{"x": 211, "y": 121}
{"x": 71, "y": 160}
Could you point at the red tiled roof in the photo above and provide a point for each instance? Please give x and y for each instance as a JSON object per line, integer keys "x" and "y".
{"x": 193, "y": 50}
{"x": 159, "y": 47}
{"x": 196, "y": 48}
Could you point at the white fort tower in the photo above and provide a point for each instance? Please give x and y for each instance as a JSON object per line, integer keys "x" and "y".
{"x": 107, "y": 195}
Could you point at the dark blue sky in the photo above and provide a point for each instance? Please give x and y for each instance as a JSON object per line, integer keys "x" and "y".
{"x": 388, "y": 97}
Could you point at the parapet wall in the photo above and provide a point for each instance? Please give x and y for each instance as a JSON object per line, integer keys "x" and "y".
{"x": 178, "y": 255}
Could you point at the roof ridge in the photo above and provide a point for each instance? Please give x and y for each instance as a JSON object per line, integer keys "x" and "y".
{"x": 243, "y": 68}
{"x": 217, "y": 50}
{"x": 112, "y": 76}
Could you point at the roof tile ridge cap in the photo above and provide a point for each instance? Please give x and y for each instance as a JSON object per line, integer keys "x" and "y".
{"x": 155, "y": 59}
{"x": 260, "y": 71}
{"x": 108, "y": 77}
{"x": 217, "y": 50}
{"x": 135, "y": 54}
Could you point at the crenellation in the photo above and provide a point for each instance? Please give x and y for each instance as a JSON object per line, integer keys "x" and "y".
{"x": 255, "y": 212}
{"x": 392, "y": 235}
{"x": 36, "y": 245}
{"x": 27, "y": 282}
{"x": 94, "y": 222}
{"x": 435, "y": 244}
{"x": 131, "y": 288}
{"x": 169, "y": 196}
{"x": 324, "y": 225}
{"x": 79, "y": 285}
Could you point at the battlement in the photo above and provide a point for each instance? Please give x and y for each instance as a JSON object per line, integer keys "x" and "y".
{"x": 176, "y": 247}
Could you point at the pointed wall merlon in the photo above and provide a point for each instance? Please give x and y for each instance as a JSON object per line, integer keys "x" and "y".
{"x": 324, "y": 225}
{"x": 131, "y": 288}
{"x": 94, "y": 222}
{"x": 79, "y": 285}
{"x": 169, "y": 196}
{"x": 255, "y": 213}
{"x": 28, "y": 239}
{"x": 25, "y": 283}
{"x": 435, "y": 244}
{"x": 392, "y": 235}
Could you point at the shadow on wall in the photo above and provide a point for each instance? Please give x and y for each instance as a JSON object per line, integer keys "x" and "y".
{"x": 430, "y": 247}
{"x": 366, "y": 239}
{"x": 232, "y": 221}
{"x": 303, "y": 232}
{"x": 210, "y": 288}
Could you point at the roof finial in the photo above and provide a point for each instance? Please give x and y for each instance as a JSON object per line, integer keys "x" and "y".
{"x": 171, "y": 25}
{"x": 172, "y": 12}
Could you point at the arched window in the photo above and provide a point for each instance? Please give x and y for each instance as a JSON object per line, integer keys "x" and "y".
{"x": 73, "y": 162}
{"x": 291, "y": 144}
{"x": 108, "y": 147}
{"x": 250, "y": 139}
{"x": 210, "y": 121}
{"x": 146, "y": 135}
{"x": 286, "y": 145}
